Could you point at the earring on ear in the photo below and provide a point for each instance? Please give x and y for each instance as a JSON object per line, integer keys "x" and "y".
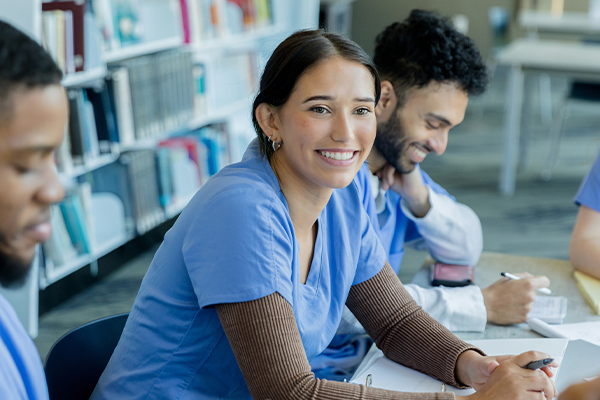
{"x": 276, "y": 146}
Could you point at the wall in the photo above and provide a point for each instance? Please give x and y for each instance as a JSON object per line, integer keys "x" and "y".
{"x": 371, "y": 16}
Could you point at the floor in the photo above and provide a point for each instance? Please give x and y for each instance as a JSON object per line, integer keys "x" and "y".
{"x": 537, "y": 221}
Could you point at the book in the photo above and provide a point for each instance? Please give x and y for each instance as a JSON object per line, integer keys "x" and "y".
{"x": 76, "y": 40}
{"x": 185, "y": 21}
{"x": 104, "y": 118}
{"x": 165, "y": 186}
{"x": 76, "y": 126}
{"x": 72, "y": 211}
{"x": 200, "y": 98}
{"x": 590, "y": 288}
{"x": 59, "y": 247}
{"x": 386, "y": 374}
{"x": 121, "y": 93}
{"x": 103, "y": 15}
{"x": 113, "y": 178}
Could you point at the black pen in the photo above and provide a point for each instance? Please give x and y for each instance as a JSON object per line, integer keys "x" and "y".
{"x": 539, "y": 363}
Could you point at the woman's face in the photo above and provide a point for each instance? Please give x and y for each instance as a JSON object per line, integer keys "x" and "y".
{"x": 327, "y": 125}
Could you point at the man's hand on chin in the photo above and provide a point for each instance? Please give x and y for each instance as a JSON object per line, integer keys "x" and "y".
{"x": 409, "y": 186}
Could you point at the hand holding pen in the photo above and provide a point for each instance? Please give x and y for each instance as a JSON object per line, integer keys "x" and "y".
{"x": 543, "y": 290}
{"x": 511, "y": 377}
{"x": 508, "y": 301}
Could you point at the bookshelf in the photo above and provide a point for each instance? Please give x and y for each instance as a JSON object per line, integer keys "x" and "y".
{"x": 105, "y": 180}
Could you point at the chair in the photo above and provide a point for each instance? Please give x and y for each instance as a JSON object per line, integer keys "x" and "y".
{"x": 76, "y": 361}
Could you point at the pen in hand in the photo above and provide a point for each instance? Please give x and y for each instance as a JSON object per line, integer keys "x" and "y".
{"x": 539, "y": 363}
{"x": 516, "y": 278}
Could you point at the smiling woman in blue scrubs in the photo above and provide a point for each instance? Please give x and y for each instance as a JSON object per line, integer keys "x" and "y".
{"x": 251, "y": 281}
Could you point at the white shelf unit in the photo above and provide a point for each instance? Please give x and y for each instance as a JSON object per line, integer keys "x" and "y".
{"x": 237, "y": 41}
{"x": 89, "y": 166}
{"x": 59, "y": 272}
{"x": 141, "y": 49}
{"x": 288, "y": 17}
{"x": 84, "y": 78}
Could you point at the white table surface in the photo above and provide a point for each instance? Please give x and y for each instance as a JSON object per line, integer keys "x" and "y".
{"x": 567, "y": 22}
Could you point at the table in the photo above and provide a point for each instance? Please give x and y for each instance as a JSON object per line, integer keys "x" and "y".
{"x": 488, "y": 271}
{"x": 568, "y": 22}
{"x": 572, "y": 59}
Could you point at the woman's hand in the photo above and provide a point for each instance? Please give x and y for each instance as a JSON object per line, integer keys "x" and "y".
{"x": 582, "y": 391}
{"x": 504, "y": 377}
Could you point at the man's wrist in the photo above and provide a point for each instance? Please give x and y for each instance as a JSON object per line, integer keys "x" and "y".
{"x": 464, "y": 364}
{"x": 419, "y": 205}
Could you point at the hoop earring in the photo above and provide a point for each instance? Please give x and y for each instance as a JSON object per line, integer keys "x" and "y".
{"x": 276, "y": 146}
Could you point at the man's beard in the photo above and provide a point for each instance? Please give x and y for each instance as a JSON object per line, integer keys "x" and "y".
{"x": 392, "y": 142}
{"x": 13, "y": 270}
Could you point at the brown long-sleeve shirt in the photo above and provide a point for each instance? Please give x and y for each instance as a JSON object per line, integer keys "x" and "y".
{"x": 267, "y": 345}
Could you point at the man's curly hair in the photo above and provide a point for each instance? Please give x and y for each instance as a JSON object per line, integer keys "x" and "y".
{"x": 424, "y": 48}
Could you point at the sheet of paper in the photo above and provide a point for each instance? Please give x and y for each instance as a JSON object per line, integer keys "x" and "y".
{"x": 589, "y": 331}
{"x": 386, "y": 374}
{"x": 580, "y": 362}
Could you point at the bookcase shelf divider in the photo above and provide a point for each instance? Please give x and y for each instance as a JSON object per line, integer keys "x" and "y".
{"x": 141, "y": 49}
{"x": 84, "y": 78}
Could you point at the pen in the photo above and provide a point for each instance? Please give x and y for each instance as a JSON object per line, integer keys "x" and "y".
{"x": 539, "y": 363}
{"x": 516, "y": 278}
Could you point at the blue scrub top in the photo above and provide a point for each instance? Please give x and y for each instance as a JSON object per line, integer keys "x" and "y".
{"x": 589, "y": 191}
{"x": 235, "y": 242}
{"x": 21, "y": 374}
{"x": 397, "y": 228}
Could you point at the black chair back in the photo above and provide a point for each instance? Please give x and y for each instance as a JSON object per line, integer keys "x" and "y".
{"x": 76, "y": 361}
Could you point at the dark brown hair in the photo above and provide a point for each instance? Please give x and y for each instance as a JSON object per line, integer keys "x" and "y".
{"x": 292, "y": 58}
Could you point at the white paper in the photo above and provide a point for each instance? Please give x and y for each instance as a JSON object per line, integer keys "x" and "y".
{"x": 386, "y": 374}
{"x": 589, "y": 331}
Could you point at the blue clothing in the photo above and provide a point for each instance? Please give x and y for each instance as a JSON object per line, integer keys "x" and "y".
{"x": 397, "y": 229}
{"x": 21, "y": 373}
{"x": 589, "y": 191}
{"x": 235, "y": 242}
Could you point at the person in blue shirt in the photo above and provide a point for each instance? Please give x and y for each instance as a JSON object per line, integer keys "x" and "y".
{"x": 429, "y": 71}
{"x": 33, "y": 114}
{"x": 251, "y": 281}
{"x": 584, "y": 250}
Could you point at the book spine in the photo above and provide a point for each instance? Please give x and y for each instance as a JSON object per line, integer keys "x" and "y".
{"x": 122, "y": 99}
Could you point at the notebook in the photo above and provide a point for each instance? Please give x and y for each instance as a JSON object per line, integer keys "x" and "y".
{"x": 590, "y": 288}
{"x": 550, "y": 309}
{"x": 386, "y": 374}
